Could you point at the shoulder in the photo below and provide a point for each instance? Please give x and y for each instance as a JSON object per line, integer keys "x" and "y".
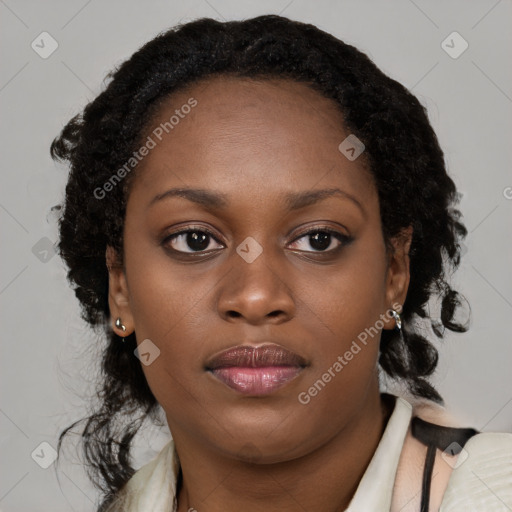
{"x": 453, "y": 486}
{"x": 408, "y": 481}
{"x": 481, "y": 479}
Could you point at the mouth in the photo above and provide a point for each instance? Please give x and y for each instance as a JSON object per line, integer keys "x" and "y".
{"x": 256, "y": 371}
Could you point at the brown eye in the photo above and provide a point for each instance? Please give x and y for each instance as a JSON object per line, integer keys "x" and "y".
{"x": 322, "y": 240}
{"x": 190, "y": 241}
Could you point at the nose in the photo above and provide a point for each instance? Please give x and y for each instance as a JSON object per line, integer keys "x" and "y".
{"x": 256, "y": 292}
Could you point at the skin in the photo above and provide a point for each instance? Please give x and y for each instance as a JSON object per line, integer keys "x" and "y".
{"x": 255, "y": 141}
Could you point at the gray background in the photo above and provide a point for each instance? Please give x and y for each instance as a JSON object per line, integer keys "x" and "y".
{"x": 48, "y": 353}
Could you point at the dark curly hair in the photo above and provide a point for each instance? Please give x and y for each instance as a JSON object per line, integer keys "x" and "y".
{"x": 402, "y": 152}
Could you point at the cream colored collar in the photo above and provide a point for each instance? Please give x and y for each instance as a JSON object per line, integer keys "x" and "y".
{"x": 153, "y": 486}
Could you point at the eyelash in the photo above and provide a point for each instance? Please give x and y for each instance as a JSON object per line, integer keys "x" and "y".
{"x": 342, "y": 238}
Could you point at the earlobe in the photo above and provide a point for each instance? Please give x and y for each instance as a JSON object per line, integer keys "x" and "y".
{"x": 118, "y": 296}
{"x": 398, "y": 275}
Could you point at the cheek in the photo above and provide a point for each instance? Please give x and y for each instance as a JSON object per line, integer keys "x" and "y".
{"x": 165, "y": 303}
{"x": 162, "y": 296}
{"x": 348, "y": 308}
{"x": 347, "y": 351}
{"x": 170, "y": 312}
{"x": 166, "y": 312}
{"x": 351, "y": 297}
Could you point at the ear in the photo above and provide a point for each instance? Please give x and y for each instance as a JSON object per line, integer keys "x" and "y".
{"x": 118, "y": 296}
{"x": 398, "y": 275}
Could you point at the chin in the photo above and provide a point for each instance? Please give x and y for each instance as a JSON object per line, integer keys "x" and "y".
{"x": 264, "y": 440}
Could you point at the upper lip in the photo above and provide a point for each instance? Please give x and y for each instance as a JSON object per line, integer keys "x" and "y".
{"x": 251, "y": 356}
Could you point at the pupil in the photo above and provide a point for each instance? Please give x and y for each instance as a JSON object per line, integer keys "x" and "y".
{"x": 320, "y": 241}
{"x": 197, "y": 241}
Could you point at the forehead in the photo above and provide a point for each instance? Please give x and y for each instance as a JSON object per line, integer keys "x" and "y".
{"x": 241, "y": 133}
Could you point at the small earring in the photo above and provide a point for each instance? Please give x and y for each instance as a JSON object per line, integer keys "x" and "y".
{"x": 120, "y": 325}
{"x": 398, "y": 319}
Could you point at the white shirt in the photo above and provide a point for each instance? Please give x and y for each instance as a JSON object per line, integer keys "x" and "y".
{"x": 481, "y": 480}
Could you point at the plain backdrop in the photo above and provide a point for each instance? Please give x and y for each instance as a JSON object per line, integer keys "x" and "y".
{"x": 48, "y": 364}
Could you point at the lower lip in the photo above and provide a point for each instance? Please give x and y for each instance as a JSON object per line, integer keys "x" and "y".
{"x": 256, "y": 381}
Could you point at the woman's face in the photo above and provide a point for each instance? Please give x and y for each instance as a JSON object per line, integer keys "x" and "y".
{"x": 267, "y": 260}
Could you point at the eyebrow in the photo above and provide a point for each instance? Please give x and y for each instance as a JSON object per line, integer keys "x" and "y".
{"x": 217, "y": 200}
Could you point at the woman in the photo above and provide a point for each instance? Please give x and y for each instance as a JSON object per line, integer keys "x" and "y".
{"x": 258, "y": 217}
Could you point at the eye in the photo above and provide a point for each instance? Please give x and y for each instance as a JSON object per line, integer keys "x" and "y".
{"x": 199, "y": 240}
{"x": 191, "y": 241}
{"x": 322, "y": 240}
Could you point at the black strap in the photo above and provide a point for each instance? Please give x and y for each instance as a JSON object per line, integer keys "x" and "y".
{"x": 448, "y": 439}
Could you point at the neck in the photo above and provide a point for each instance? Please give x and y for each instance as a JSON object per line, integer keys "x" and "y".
{"x": 324, "y": 480}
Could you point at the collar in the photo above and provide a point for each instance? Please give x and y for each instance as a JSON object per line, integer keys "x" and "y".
{"x": 153, "y": 486}
{"x": 375, "y": 489}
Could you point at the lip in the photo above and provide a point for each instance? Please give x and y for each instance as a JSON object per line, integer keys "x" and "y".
{"x": 256, "y": 371}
